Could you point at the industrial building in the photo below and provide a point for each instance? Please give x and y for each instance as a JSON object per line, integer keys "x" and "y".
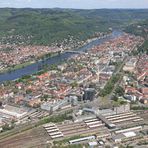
{"x": 107, "y": 122}
{"x": 53, "y": 106}
{"x": 120, "y": 124}
{"x": 122, "y": 136}
{"x": 87, "y": 127}
{"x": 121, "y": 121}
{"x": 12, "y": 112}
{"x": 122, "y": 108}
{"x": 60, "y": 104}
{"x": 130, "y": 65}
{"x": 81, "y": 139}
{"x": 53, "y": 131}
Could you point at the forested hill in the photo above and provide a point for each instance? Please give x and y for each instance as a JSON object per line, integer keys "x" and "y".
{"x": 45, "y": 26}
{"x": 140, "y": 29}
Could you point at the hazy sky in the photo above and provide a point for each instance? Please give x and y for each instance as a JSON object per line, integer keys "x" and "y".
{"x": 85, "y": 4}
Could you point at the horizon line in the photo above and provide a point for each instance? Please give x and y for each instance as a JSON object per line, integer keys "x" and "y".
{"x": 68, "y": 8}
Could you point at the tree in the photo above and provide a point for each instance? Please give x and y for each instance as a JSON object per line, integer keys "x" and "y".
{"x": 115, "y": 98}
{"x": 1, "y": 103}
{"x": 7, "y": 127}
{"x": 119, "y": 91}
{"x": 53, "y": 67}
{"x": 74, "y": 84}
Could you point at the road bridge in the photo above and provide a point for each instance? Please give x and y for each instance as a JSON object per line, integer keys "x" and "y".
{"x": 75, "y": 52}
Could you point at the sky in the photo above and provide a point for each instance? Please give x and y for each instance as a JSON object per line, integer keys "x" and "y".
{"x": 77, "y": 4}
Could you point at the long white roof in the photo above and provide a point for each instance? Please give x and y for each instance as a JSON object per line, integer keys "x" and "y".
{"x": 129, "y": 134}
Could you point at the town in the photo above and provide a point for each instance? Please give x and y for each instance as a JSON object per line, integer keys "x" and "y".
{"x": 95, "y": 98}
{"x": 12, "y": 55}
{"x": 18, "y": 55}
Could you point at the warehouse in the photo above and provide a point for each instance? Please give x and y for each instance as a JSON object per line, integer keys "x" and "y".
{"x": 13, "y": 112}
{"x": 121, "y": 120}
{"x": 122, "y": 136}
{"x": 53, "y": 131}
{"x": 137, "y": 128}
{"x": 86, "y": 127}
{"x": 108, "y": 123}
{"x": 81, "y": 139}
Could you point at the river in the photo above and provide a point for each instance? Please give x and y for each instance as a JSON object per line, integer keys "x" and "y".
{"x": 35, "y": 67}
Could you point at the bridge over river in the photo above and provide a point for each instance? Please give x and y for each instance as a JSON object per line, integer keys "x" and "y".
{"x": 35, "y": 67}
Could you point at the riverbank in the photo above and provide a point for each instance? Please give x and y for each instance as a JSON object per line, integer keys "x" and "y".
{"x": 53, "y": 60}
{"x": 19, "y": 66}
{"x": 41, "y": 58}
{"x": 23, "y": 65}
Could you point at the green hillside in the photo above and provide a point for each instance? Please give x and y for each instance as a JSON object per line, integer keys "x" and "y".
{"x": 140, "y": 29}
{"x": 45, "y": 26}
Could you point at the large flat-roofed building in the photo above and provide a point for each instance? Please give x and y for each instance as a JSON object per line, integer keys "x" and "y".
{"x": 122, "y": 136}
{"x": 130, "y": 65}
{"x": 12, "y": 112}
{"x": 81, "y": 139}
{"x": 53, "y": 106}
{"x": 122, "y": 108}
{"x": 107, "y": 122}
{"x": 124, "y": 120}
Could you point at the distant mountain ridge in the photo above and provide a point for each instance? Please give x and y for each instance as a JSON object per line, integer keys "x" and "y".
{"x": 45, "y": 26}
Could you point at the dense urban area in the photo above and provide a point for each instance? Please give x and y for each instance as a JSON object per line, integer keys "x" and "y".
{"x": 94, "y": 98}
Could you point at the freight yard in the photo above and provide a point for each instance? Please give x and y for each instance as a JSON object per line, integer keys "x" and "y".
{"x": 108, "y": 125}
{"x": 95, "y": 125}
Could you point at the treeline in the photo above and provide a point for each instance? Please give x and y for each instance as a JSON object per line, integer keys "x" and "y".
{"x": 56, "y": 119}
